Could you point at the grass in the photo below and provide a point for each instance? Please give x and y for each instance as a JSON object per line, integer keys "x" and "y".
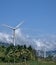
{"x": 31, "y": 63}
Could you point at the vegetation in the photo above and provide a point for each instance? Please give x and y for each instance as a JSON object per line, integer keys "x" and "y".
{"x": 30, "y": 63}
{"x": 22, "y": 55}
{"x": 16, "y": 53}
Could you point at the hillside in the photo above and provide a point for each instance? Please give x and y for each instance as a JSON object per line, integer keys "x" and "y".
{"x": 17, "y": 53}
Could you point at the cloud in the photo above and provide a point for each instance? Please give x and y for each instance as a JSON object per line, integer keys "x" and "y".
{"x": 5, "y": 38}
{"x": 48, "y": 43}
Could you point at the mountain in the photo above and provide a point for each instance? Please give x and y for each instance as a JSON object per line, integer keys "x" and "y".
{"x": 4, "y": 44}
{"x": 51, "y": 52}
{"x": 47, "y": 43}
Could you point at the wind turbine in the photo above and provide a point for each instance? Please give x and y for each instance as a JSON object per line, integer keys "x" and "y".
{"x": 13, "y": 29}
{"x": 45, "y": 53}
{"x": 43, "y": 48}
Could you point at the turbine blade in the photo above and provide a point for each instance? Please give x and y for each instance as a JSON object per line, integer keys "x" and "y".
{"x": 19, "y": 25}
{"x": 7, "y": 26}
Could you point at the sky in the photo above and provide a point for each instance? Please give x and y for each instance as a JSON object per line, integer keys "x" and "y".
{"x": 39, "y": 27}
{"x": 39, "y": 18}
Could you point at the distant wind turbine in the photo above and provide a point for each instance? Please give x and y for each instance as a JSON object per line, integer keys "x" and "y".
{"x": 45, "y": 53}
{"x": 43, "y": 49}
{"x": 14, "y": 29}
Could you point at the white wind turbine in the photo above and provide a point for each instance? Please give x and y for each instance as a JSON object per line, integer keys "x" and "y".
{"x": 43, "y": 49}
{"x": 44, "y": 52}
{"x": 14, "y": 29}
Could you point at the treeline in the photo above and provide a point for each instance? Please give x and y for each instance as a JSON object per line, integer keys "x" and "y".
{"x": 17, "y": 53}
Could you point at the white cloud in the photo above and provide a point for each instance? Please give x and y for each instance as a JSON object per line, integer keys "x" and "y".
{"x": 46, "y": 42}
{"x": 5, "y": 38}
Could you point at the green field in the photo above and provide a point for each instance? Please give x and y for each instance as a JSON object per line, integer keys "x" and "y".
{"x": 31, "y": 63}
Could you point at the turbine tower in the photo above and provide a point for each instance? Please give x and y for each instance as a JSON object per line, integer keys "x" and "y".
{"x": 13, "y": 29}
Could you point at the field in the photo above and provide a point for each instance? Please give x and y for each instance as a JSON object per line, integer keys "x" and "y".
{"x": 30, "y": 63}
